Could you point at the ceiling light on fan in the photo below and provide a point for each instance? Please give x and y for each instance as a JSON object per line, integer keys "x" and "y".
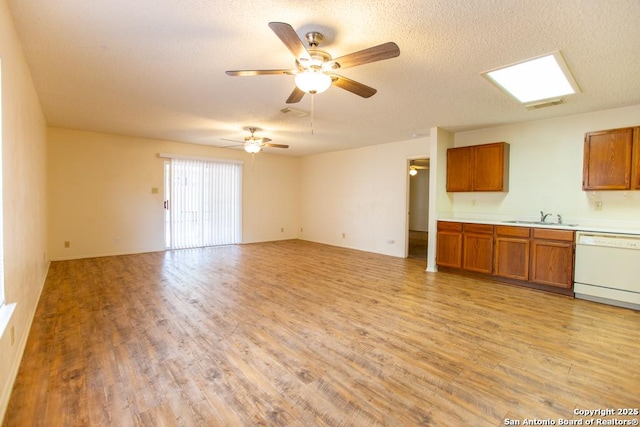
{"x": 253, "y": 146}
{"x": 312, "y": 81}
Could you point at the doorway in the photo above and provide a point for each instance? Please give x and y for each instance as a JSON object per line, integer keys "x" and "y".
{"x": 418, "y": 222}
{"x": 203, "y": 203}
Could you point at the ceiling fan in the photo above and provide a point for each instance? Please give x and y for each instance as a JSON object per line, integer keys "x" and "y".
{"x": 315, "y": 68}
{"x": 416, "y": 165}
{"x": 253, "y": 144}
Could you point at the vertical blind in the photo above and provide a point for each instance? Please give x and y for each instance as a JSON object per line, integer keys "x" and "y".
{"x": 1, "y": 231}
{"x": 205, "y": 203}
{"x": 1, "y": 206}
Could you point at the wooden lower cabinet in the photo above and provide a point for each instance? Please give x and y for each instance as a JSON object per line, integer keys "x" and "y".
{"x": 535, "y": 257}
{"x": 512, "y": 252}
{"x": 449, "y": 244}
{"x": 552, "y": 258}
{"x": 477, "y": 248}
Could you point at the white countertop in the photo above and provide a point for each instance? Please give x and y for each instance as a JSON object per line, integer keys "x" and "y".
{"x": 568, "y": 226}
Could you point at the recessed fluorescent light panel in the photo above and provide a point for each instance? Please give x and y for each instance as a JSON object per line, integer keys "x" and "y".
{"x": 536, "y": 79}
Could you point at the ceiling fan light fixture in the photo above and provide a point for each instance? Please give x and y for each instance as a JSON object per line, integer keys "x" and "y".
{"x": 253, "y": 146}
{"x": 311, "y": 81}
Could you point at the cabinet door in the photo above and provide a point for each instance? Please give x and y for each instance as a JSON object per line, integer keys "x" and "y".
{"x": 552, "y": 263}
{"x": 607, "y": 160}
{"x": 459, "y": 169}
{"x": 490, "y": 168}
{"x": 478, "y": 252}
{"x": 449, "y": 249}
{"x": 512, "y": 257}
{"x": 635, "y": 170}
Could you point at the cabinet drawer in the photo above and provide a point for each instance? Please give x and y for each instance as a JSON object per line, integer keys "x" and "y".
{"x": 478, "y": 228}
{"x": 449, "y": 226}
{"x": 549, "y": 234}
{"x": 506, "y": 230}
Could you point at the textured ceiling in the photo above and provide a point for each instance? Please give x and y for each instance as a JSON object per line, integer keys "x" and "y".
{"x": 156, "y": 69}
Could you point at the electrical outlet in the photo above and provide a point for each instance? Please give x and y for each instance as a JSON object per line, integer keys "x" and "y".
{"x": 67, "y": 244}
{"x": 344, "y": 235}
{"x": 154, "y": 190}
{"x": 116, "y": 240}
{"x": 598, "y": 205}
{"x": 282, "y": 229}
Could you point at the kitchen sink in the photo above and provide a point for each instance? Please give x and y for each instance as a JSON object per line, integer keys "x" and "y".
{"x": 539, "y": 223}
{"x": 527, "y": 222}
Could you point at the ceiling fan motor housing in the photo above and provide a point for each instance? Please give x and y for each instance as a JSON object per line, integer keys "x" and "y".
{"x": 316, "y": 61}
{"x": 313, "y": 38}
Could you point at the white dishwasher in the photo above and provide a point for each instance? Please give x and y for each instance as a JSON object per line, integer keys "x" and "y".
{"x": 607, "y": 268}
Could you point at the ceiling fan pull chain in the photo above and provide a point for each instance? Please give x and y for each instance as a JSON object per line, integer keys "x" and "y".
{"x": 312, "y": 98}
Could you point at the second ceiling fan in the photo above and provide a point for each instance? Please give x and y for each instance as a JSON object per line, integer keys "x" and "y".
{"x": 253, "y": 144}
{"x": 315, "y": 68}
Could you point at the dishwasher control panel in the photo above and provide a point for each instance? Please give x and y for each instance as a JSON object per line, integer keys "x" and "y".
{"x": 622, "y": 241}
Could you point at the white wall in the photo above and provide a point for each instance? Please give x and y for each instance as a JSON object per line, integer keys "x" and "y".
{"x": 546, "y": 173}
{"x": 24, "y": 153}
{"x": 362, "y": 193}
{"x": 440, "y": 202}
{"x": 100, "y": 189}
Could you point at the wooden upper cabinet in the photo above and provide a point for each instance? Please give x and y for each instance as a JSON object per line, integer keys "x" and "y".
{"x": 635, "y": 168}
{"x": 491, "y": 169}
{"x": 478, "y": 168}
{"x": 459, "y": 165}
{"x": 608, "y": 160}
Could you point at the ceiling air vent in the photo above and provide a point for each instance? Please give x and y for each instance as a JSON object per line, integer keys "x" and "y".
{"x": 294, "y": 112}
{"x": 547, "y": 103}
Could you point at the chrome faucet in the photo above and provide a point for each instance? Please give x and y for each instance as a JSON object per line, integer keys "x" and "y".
{"x": 543, "y": 216}
{"x": 559, "y": 219}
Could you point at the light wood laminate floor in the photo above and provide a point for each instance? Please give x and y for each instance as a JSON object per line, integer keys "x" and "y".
{"x": 418, "y": 241}
{"x": 294, "y": 333}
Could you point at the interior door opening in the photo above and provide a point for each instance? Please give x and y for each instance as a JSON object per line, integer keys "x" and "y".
{"x": 418, "y": 222}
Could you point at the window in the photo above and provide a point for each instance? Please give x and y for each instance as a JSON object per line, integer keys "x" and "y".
{"x": 204, "y": 203}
